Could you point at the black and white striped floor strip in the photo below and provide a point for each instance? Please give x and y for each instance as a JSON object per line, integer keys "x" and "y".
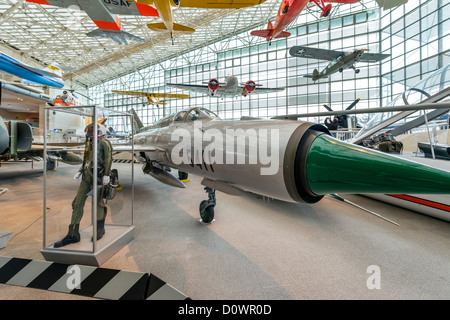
{"x": 86, "y": 281}
{"x": 122, "y": 161}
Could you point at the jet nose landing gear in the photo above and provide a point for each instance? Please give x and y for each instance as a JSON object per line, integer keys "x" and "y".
{"x": 207, "y": 206}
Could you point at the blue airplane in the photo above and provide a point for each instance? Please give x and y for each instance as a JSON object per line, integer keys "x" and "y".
{"x": 32, "y": 75}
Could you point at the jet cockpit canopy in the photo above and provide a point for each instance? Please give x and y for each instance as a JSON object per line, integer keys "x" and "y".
{"x": 193, "y": 114}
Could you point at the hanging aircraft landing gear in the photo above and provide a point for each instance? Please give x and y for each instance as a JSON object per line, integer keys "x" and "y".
{"x": 326, "y": 11}
{"x": 341, "y": 69}
{"x": 207, "y": 206}
{"x": 356, "y": 70}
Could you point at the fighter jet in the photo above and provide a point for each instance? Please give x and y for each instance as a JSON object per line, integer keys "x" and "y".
{"x": 287, "y": 160}
{"x": 45, "y": 77}
{"x": 104, "y": 13}
{"x": 340, "y": 60}
{"x": 230, "y": 88}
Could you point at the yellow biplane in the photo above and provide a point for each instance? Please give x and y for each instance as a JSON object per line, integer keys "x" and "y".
{"x": 164, "y": 8}
{"x": 153, "y": 98}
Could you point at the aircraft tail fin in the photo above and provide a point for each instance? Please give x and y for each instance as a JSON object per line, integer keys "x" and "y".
{"x": 283, "y": 34}
{"x": 160, "y": 26}
{"x": 119, "y": 36}
{"x": 138, "y": 123}
{"x": 263, "y": 33}
{"x": 50, "y": 69}
{"x": 315, "y": 75}
{"x": 184, "y": 29}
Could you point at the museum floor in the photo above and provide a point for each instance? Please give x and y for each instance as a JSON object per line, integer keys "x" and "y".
{"x": 255, "y": 249}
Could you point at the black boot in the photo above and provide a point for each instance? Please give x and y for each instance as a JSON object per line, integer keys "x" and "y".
{"x": 73, "y": 236}
{"x": 100, "y": 229}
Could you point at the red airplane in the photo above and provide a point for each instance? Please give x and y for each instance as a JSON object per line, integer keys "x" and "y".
{"x": 288, "y": 11}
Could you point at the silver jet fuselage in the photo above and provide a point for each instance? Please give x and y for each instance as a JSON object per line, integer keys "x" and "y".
{"x": 253, "y": 155}
{"x": 283, "y": 159}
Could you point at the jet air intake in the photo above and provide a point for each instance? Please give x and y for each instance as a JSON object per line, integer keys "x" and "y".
{"x": 15, "y": 135}
{"x": 323, "y": 165}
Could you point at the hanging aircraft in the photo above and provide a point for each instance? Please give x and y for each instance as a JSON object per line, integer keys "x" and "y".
{"x": 340, "y": 60}
{"x": 104, "y": 13}
{"x": 231, "y": 88}
{"x": 50, "y": 76}
{"x": 152, "y": 97}
{"x": 291, "y": 161}
{"x": 288, "y": 12}
{"x": 164, "y": 8}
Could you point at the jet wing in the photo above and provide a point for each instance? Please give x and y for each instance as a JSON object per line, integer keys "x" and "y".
{"x": 191, "y": 87}
{"x": 259, "y": 90}
{"x": 214, "y": 4}
{"x": 124, "y": 7}
{"x": 131, "y": 8}
{"x": 137, "y": 148}
{"x": 315, "y": 53}
{"x": 153, "y": 94}
{"x": 388, "y": 4}
{"x": 373, "y": 57}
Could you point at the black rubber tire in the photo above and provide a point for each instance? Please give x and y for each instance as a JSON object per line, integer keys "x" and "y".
{"x": 206, "y": 211}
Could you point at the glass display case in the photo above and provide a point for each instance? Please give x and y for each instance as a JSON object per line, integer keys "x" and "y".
{"x": 79, "y": 204}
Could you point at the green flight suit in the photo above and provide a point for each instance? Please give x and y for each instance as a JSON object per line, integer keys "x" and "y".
{"x": 104, "y": 161}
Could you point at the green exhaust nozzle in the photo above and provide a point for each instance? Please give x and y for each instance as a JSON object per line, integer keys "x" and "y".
{"x": 334, "y": 166}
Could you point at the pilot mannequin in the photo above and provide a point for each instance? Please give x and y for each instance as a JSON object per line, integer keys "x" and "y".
{"x": 104, "y": 161}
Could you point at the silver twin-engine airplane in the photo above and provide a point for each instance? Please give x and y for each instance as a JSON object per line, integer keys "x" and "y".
{"x": 288, "y": 160}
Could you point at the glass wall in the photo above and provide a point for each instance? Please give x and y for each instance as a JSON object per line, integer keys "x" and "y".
{"x": 416, "y": 36}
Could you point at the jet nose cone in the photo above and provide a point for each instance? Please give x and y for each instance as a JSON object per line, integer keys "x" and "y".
{"x": 333, "y": 166}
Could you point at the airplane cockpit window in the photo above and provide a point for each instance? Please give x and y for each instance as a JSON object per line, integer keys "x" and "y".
{"x": 199, "y": 114}
{"x": 164, "y": 122}
{"x": 179, "y": 116}
{"x": 208, "y": 113}
{"x": 193, "y": 115}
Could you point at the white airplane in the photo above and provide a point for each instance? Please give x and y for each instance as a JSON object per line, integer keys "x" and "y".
{"x": 230, "y": 88}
